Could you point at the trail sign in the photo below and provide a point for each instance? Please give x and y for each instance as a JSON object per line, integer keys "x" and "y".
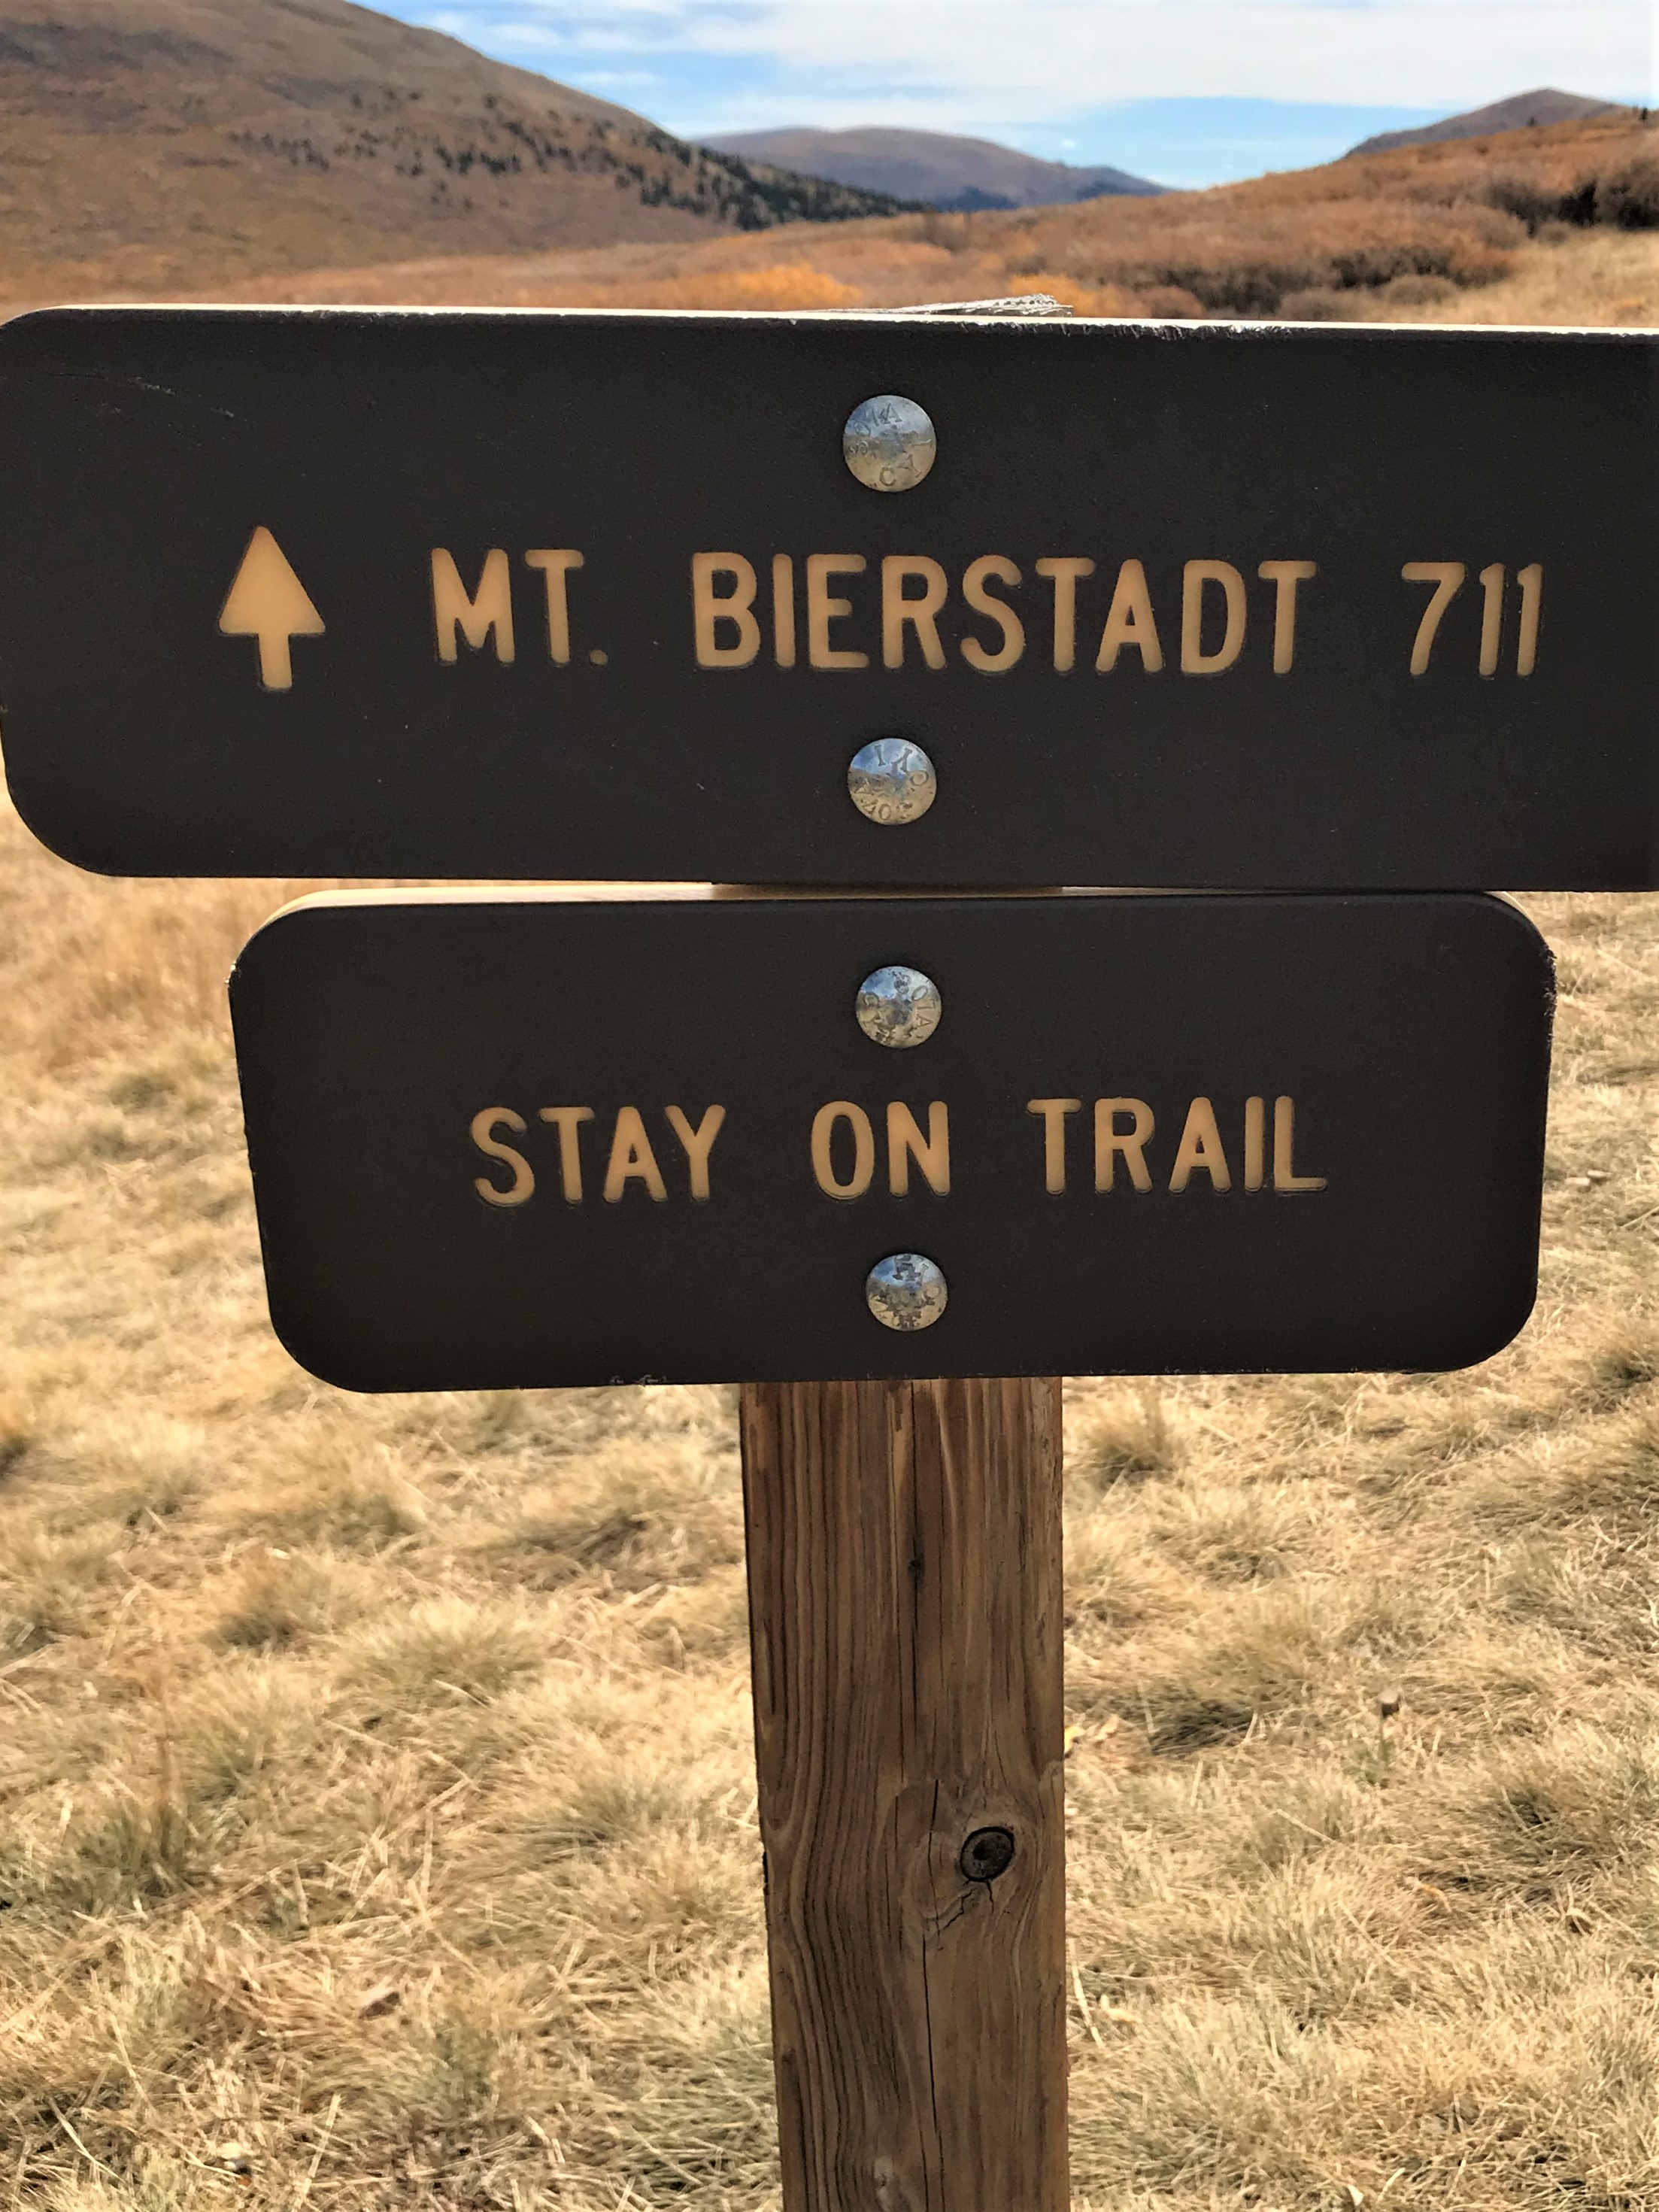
{"x": 586, "y": 595}
{"x": 502, "y": 1140}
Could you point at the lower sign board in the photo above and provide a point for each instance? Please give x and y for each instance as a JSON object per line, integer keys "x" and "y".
{"x": 501, "y": 1139}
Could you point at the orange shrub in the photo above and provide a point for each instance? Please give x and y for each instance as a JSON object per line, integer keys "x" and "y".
{"x": 788, "y": 284}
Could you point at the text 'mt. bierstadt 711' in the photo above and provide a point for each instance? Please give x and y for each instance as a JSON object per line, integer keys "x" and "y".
{"x": 583, "y": 595}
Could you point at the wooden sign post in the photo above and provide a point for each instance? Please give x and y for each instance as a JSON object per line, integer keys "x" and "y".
{"x": 905, "y": 1610}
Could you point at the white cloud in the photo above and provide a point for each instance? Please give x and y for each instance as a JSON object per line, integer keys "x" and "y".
{"x": 1041, "y": 58}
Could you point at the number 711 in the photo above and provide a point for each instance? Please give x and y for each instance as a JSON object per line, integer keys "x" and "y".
{"x": 1448, "y": 578}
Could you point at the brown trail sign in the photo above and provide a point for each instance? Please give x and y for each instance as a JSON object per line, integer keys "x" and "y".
{"x": 501, "y": 1140}
{"x": 599, "y": 595}
{"x": 859, "y": 600}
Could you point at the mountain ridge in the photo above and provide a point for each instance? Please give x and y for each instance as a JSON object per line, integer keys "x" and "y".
{"x": 1522, "y": 111}
{"x": 952, "y": 173}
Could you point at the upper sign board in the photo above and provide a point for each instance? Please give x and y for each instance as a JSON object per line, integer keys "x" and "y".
{"x": 589, "y": 595}
{"x": 502, "y": 1140}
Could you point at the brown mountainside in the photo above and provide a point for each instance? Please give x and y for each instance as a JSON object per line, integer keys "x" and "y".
{"x": 965, "y": 175}
{"x": 181, "y": 143}
{"x": 1524, "y": 110}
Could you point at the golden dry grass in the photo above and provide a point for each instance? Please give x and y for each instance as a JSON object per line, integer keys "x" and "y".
{"x": 376, "y": 1814}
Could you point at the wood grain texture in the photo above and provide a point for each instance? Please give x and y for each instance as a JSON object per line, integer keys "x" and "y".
{"x": 904, "y": 1576}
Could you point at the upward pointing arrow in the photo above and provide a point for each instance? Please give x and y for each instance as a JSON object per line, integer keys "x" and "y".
{"x": 268, "y": 601}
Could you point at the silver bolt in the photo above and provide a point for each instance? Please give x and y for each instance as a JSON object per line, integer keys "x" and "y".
{"x": 892, "y": 781}
{"x": 889, "y": 443}
{"x": 898, "y": 1006}
{"x": 906, "y": 1292}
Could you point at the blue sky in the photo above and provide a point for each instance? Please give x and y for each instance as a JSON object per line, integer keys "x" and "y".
{"x": 1186, "y": 91}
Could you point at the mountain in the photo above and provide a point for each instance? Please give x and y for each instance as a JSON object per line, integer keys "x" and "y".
{"x": 932, "y": 167}
{"x": 1520, "y": 113}
{"x": 184, "y": 143}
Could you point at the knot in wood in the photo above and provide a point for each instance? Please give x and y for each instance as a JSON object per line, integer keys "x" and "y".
{"x": 988, "y": 1853}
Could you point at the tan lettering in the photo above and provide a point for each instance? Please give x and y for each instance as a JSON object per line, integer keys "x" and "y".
{"x": 1447, "y": 577}
{"x": 1289, "y": 576}
{"x": 568, "y": 1119}
{"x": 555, "y": 568}
{"x": 697, "y": 1143}
{"x": 1200, "y": 1148}
{"x": 1129, "y": 622}
{"x": 863, "y": 1149}
{"x": 1492, "y": 619}
{"x": 974, "y": 582}
{"x": 931, "y": 1154}
{"x": 1054, "y": 1112}
{"x": 710, "y": 608}
{"x": 1110, "y": 1141}
{"x": 783, "y": 609}
{"x": 523, "y": 1182}
{"x": 1064, "y": 573}
{"x": 489, "y": 611}
{"x": 822, "y": 609}
{"x": 1256, "y": 1143}
{"x": 1285, "y": 1178}
{"x": 632, "y": 1159}
{"x": 1531, "y": 581}
{"x": 896, "y": 611}
{"x": 1194, "y": 661}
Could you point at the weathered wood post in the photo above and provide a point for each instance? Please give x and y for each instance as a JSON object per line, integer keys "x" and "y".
{"x": 904, "y": 1578}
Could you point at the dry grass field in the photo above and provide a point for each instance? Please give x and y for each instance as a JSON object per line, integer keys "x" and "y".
{"x": 377, "y": 1824}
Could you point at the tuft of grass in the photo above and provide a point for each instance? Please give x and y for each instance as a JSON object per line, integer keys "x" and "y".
{"x": 654, "y": 1513}
{"x": 446, "y": 1648}
{"x": 357, "y": 1504}
{"x": 238, "y": 1730}
{"x": 1256, "y": 1661}
{"x": 139, "y": 1845}
{"x": 1128, "y": 1437}
{"x": 47, "y": 1581}
{"x": 1227, "y": 1533}
{"x": 1561, "y": 1812}
{"x": 138, "y": 1465}
{"x": 277, "y": 1601}
{"x": 1114, "y": 1580}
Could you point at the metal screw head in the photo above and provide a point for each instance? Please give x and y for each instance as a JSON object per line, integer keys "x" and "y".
{"x": 906, "y": 1292}
{"x": 898, "y": 1007}
{"x": 986, "y": 1853}
{"x": 892, "y": 781}
{"x": 889, "y": 443}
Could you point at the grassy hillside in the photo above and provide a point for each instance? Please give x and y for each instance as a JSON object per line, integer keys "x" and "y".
{"x": 160, "y": 145}
{"x": 1522, "y": 110}
{"x": 1550, "y": 225}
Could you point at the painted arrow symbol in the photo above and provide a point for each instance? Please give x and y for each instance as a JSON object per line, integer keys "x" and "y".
{"x": 267, "y": 601}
